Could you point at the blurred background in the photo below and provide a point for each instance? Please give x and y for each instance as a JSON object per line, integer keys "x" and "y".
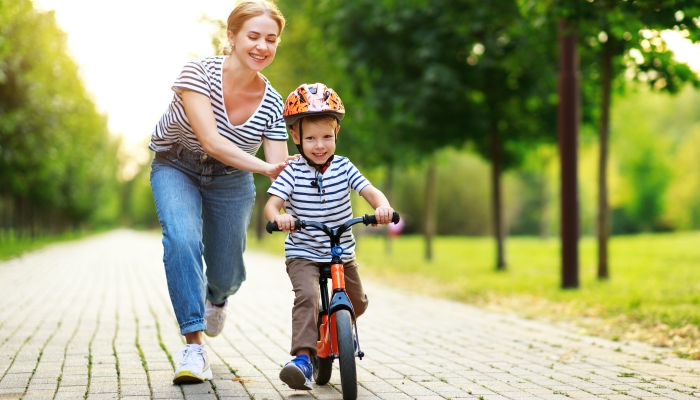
{"x": 451, "y": 111}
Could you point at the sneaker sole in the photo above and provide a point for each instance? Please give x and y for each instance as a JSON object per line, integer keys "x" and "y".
{"x": 211, "y": 334}
{"x": 189, "y": 377}
{"x": 294, "y": 378}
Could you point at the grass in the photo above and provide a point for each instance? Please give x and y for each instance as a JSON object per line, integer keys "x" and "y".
{"x": 652, "y": 295}
{"x": 11, "y": 246}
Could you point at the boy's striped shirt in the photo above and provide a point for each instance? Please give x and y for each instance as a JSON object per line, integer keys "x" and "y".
{"x": 327, "y": 202}
{"x": 204, "y": 76}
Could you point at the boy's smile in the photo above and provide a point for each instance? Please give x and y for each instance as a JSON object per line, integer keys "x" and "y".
{"x": 318, "y": 142}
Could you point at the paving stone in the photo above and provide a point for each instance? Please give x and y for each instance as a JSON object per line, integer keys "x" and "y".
{"x": 490, "y": 357}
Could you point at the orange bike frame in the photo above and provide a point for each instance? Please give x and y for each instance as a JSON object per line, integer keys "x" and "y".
{"x": 338, "y": 276}
{"x": 328, "y": 340}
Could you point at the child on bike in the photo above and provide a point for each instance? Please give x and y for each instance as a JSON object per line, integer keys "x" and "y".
{"x": 316, "y": 187}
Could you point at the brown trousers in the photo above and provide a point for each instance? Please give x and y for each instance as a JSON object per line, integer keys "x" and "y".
{"x": 304, "y": 275}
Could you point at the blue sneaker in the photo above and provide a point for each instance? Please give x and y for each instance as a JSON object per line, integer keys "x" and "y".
{"x": 297, "y": 373}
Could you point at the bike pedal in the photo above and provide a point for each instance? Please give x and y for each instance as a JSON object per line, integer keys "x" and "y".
{"x": 360, "y": 354}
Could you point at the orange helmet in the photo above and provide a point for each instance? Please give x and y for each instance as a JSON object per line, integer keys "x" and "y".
{"x": 312, "y": 99}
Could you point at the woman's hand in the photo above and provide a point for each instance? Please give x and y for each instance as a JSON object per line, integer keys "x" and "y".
{"x": 285, "y": 222}
{"x": 292, "y": 158}
{"x": 273, "y": 170}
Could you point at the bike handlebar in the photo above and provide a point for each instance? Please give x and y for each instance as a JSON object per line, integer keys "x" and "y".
{"x": 299, "y": 224}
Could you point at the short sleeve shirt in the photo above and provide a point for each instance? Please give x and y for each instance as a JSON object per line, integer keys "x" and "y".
{"x": 205, "y": 76}
{"x": 323, "y": 198}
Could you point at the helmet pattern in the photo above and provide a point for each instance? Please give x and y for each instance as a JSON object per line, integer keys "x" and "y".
{"x": 315, "y": 99}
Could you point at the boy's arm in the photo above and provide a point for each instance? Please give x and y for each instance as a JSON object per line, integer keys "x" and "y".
{"x": 382, "y": 210}
{"x": 272, "y": 213}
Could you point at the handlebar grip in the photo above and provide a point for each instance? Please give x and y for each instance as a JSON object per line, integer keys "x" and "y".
{"x": 272, "y": 226}
{"x": 371, "y": 219}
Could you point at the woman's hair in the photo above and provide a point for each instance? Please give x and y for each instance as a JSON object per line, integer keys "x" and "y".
{"x": 247, "y": 9}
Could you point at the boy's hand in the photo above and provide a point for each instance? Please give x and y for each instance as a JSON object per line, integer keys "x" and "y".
{"x": 285, "y": 222}
{"x": 384, "y": 214}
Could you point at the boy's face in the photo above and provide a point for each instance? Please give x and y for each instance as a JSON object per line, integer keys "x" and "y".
{"x": 318, "y": 142}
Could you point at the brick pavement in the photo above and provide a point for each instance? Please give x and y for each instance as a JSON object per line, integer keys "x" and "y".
{"x": 92, "y": 319}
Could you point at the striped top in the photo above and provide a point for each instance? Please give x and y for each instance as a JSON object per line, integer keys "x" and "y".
{"x": 327, "y": 202}
{"x": 204, "y": 76}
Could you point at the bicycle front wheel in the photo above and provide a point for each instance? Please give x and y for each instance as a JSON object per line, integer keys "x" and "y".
{"x": 346, "y": 354}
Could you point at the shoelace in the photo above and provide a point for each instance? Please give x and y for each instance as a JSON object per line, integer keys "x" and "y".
{"x": 187, "y": 355}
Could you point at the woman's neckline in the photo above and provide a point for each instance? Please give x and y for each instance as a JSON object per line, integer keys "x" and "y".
{"x": 223, "y": 101}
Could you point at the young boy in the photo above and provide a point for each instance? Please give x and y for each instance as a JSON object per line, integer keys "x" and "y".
{"x": 316, "y": 187}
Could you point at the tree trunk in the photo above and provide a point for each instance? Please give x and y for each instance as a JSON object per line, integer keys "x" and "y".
{"x": 603, "y": 210}
{"x": 430, "y": 207}
{"x": 496, "y": 197}
{"x": 260, "y": 217}
{"x": 389, "y": 192}
{"x": 568, "y": 121}
{"x": 544, "y": 204}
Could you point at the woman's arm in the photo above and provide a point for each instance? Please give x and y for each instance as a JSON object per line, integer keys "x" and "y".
{"x": 201, "y": 116}
{"x": 275, "y": 150}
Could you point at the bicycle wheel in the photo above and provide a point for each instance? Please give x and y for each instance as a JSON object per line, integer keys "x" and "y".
{"x": 346, "y": 354}
{"x": 323, "y": 368}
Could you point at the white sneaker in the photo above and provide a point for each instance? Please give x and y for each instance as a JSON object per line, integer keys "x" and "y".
{"x": 192, "y": 365}
{"x": 214, "y": 317}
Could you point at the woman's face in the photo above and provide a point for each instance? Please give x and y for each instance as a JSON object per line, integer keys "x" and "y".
{"x": 255, "y": 44}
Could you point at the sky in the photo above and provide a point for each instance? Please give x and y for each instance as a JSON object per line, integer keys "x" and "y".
{"x": 130, "y": 52}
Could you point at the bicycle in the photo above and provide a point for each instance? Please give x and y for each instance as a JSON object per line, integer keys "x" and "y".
{"x": 337, "y": 328}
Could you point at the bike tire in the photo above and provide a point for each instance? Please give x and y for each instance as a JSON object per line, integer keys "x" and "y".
{"x": 323, "y": 369}
{"x": 346, "y": 354}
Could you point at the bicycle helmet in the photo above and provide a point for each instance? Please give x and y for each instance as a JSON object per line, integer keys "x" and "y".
{"x": 314, "y": 99}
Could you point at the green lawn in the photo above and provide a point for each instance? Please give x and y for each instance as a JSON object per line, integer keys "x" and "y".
{"x": 11, "y": 246}
{"x": 653, "y": 293}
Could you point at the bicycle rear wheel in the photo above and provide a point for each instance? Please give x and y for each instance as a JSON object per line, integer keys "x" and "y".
{"x": 346, "y": 354}
{"x": 323, "y": 368}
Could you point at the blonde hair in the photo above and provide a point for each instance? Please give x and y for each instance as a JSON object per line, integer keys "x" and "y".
{"x": 247, "y": 9}
{"x": 326, "y": 120}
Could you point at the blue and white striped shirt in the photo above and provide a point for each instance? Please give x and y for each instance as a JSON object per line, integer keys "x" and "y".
{"x": 204, "y": 76}
{"x": 327, "y": 202}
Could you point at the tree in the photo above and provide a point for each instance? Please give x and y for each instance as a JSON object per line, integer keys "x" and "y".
{"x": 442, "y": 73}
{"x": 57, "y": 161}
{"x": 626, "y": 40}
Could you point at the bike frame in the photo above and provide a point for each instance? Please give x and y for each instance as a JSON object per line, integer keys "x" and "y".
{"x": 327, "y": 345}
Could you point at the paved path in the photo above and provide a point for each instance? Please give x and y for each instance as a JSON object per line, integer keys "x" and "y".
{"x": 93, "y": 319}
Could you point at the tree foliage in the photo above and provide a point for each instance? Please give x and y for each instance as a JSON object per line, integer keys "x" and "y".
{"x": 57, "y": 161}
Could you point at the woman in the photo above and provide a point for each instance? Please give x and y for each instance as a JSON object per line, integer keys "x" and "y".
{"x": 223, "y": 109}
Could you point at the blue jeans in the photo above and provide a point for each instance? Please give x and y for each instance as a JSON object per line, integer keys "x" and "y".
{"x": 204, "y": 208}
